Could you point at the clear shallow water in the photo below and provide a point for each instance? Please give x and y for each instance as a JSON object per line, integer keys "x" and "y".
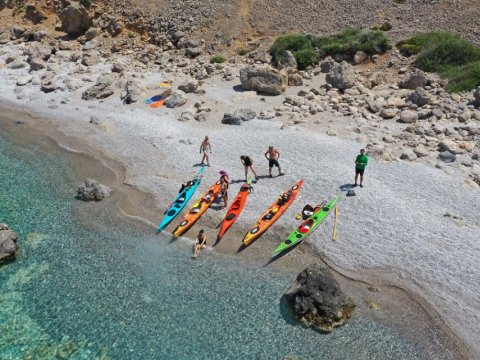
{"x": 89, "y": 285}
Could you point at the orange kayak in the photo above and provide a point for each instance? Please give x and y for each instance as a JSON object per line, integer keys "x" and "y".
{"x": 197, "y": 210}
{"x": 235, "y": 209}
{"x": 272, "y": 214}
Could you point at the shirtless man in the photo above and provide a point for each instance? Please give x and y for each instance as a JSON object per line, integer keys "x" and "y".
{"x": 272, "y": 155}
{"x": 204, "y": 148}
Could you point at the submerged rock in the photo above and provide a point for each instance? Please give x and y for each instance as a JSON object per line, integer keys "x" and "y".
{"x": 93, "y": 191}
{"x": 8, "y": 243}
{"x": 317, "y": 300}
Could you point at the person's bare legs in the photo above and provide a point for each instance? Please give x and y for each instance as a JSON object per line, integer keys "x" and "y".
{"x": 356, "y": 178}
{"x": 225, "y": 200}
{"x": 270, "y": 171}
{"x": 205, "y": 157}
{"x": 280, "y": 171}
{"x": 361, "y": 180}
{"x": 254, "y": 173}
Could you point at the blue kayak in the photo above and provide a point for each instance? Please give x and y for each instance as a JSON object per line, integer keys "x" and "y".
{"x": 181, "y": 200}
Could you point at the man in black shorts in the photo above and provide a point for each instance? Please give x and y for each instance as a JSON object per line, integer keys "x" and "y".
{"x": 272, "y": 156}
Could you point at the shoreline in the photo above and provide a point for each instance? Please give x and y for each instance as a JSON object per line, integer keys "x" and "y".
{"x": 355, "y": 285}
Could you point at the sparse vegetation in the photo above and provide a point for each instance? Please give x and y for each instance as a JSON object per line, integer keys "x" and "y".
{"x": 448, "y": 54}
{"x": 309, "y": 49}
{"x": 217, "y": 59}
{"x": 131, "y": 35}
{"x": 243, "y": 52}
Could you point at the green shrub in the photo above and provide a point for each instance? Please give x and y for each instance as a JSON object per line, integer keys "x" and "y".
{"x": 217, "y": 59}
{"x": 448, "y": 54}
{"x": 242, "y": 52}
{"x": 309, "y": 49}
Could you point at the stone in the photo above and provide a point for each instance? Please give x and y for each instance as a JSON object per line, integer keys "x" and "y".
{"x": 317, "y": 300}
{"x": 97, "y": 91}
{"x": 238, "y": 116}
{"x": 373, "y": 106}
{"x": 388, "y": 113}
{"x": 447, "y": 156}
{"x": 359, "y": 57}
{"x": 17, "y": 64}
{"x": 94, "y": 120}
{"x": 91, "y": 33}
{"x": 117, "y": 67}
{"x": 38, "y": 50}
{"x": 113, "y": 25}
{"x": 388, "y": 138}
{"x": 47, "y": 83}
{"x": 188, "y": 86}
{"x": 24, "y": 80}
{"x": 295, "y": 80}
{"x": 287, "y": 61}
{"x": 8, "y": 243}
{"x": 408, "y": 116}
{"x": 408, "y": 154}
{"x": 419, "y": 97}
{"x": 414, "y": 81}
{"x": 176, "y": 99}
{"x": 91, "y": 59}
{"x": 450, "y": 146}
{"x": 421, "y": 151}
{"x": 40, "y": 35}
{"x": 327, "y": 64}
{"x": 16, "y": 32}
{"x": 75, "y": 19}
{"x": 465, "y": 116}
{"x": 264, "y": 80}
{"x": 132, "y": 91}
{"x": 341, "y": 76}
{"x": 193, "y": 52}
{"x": 91, "y": 190}
{"x": 188, "y": 115}
{"x": 33, "y": 14}
{"x": 37, "y": 64}
{"x": 476, "y": 96}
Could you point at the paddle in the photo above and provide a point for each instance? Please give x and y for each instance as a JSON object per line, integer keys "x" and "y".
{"x": 334, "y": 232}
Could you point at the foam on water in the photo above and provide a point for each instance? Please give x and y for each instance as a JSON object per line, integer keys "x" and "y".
{"x": 114, "y": 290}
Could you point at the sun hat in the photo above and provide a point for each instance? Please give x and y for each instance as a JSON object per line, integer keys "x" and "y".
{"x": 222, "y": 172}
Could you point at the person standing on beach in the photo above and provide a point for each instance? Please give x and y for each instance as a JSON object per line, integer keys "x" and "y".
{"x": 204, "y": 148}
{"x": 200, "y": 243}
{"x": 361, "y": 163}
{"x": 272, "y": 156}
{"x": 224, "y": 183}
{"x": 248, "y": 163}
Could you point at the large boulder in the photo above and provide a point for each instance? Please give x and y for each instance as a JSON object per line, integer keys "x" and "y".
{"x": 132, "y": 92}
{"x": 176, "y": 99}
{"x": 8, "y": 243}
{"x": 264, "y": 80}
{"x": 91, "y": 190}
{"x": 317, "y": 300}
{"x": 238, "y": 116}
{"x": 327, "y": 64}
{"x": 75, "y": 19}
{"x": 287, "y": 61}
{"x": 341, "y": 76}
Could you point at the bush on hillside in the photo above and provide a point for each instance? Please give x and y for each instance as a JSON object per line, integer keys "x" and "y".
{"x": 217, "y": 59}
{"x": 449, "y": 54}
{"x": 309, "y": 49}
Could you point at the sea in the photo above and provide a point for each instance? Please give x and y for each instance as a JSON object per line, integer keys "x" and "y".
{"x": 91, "y": 283}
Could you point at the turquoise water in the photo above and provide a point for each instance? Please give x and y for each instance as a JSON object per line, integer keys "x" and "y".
{"x": 91, "y": 285}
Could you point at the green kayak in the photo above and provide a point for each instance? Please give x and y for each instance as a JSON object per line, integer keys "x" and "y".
{"x": 307, "y": 227}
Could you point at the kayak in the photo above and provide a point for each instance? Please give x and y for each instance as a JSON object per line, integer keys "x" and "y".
{"x": 272, "y": 214}
{"x": 235, "y": 209}
{"x": 181, "y": 201}
{"x": 307, "y": 227}
{"x": 197, "y": 210}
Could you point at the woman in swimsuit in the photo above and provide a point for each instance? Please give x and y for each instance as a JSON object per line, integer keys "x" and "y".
{"x": 248, "y": 163}
{"x": 200, "y": 243}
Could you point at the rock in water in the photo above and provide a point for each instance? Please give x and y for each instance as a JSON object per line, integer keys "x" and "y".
{"x": 75, "y": 19}
{"x": 341, "y": 76}
{"x": 8, "y": 243}
{"x": 93, "y": 191}
{"x": 317, "y": 300}
{"x": 264, "y": 80}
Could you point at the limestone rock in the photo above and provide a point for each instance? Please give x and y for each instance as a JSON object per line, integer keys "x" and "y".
{"x": 421, "y": 151}
{"x": 90, "y": 59}
{"x": 341, "y": 76}
{"x": 408, "y": 154}
{"x": 97, "y": 91}
{"x": 419, "y": 97}
{"x": 176, "y": 99}
{"x": 408, "y": 116}
{"x": 359, "y": 57}
{"x": 317, "y": 300}
{"x": 132, "y": 92}
{"x": 47, "y": 83}
{"x": 263, "y": 80}
{"x": 238, "y": 116}
{"x": 91, "y": 190}
{"x": 414, "y": 81}
{"x": 38, "y": 50}
{"x": 189, "y": 86}
{"x": 24, "y": 80}
{"x": 75, "y": 19}
{"x": 388, "y": 113}
{"x": 287, "y": 61}
{"x": 295, "y": 80}
{"x": 8, "y": 243}
{"x": 188, "y": 115}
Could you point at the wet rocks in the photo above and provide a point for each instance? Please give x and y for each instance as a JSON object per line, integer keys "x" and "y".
{"x": 341, "y": 76}
{"x": 176, "y": 99}
{"x": 238, "y": 117}
{"x": 91, "y": 190}
{"x": 317, "y": 300}
{"x": 8, "y": 243}
{"x": 264, "y": 80}
{"x": 75, "y": 19}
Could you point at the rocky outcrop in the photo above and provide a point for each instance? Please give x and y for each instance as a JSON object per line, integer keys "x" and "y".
{"x": 75, "y": 19}
{"x": 264, "y": 80}
{"x": 238, "y": 117}
{"x": 93, "y": 191}
{"x": 8, "y": 243}
{"x": 317, "y": 300}
{"x": 341, "y": 76}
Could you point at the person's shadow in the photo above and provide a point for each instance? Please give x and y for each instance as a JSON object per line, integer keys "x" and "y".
{"x": 197, "y": 165}
{"x": 346, "y": 187}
